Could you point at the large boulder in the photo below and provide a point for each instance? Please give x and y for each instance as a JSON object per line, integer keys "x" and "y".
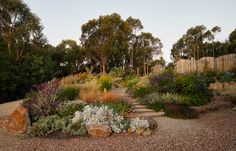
{"x": 18, "y": 121}
{"x": 99, "y": 130}
{"x": 152, "y": 123}
{"x": 4, "y": 121}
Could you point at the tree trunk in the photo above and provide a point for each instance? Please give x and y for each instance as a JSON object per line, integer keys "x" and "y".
{"x": 144, "y": 69}
{"x": 103, "y": 69}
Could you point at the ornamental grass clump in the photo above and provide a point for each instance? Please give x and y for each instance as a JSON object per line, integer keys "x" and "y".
{"x": 108, "y": 97}
{"x": 89, "y": 92}
{"x": 105, "y": 82}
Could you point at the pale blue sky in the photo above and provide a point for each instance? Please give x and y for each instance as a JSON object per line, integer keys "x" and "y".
{"x": 165, "y": 19}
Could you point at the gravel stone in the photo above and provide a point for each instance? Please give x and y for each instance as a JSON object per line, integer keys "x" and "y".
{"x": 211, "y": 131}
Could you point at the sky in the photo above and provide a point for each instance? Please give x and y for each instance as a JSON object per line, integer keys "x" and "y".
{"x": 166, "y": 19}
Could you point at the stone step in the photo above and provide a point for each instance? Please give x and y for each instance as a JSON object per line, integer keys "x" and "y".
{"x": 143, "y": 110}
{"x": 151, "y": 114}
{"x": 135, "y": 103}
{"x": 140, "y": 107}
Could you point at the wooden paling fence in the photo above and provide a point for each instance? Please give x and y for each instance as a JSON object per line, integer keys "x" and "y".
{"x": 220, "y": 64}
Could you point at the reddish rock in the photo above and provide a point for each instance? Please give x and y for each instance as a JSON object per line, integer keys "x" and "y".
{"x": 4, "y": 121}
{"x": 100, "y": 130}
{"x": 18, "y": 121}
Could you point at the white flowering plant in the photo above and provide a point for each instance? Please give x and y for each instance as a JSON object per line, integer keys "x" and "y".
{"x": 100, "y": 115}
{"x": 138, "y": 123}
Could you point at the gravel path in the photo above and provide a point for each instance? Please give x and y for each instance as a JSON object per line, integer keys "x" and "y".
{"x": 211, "y": 132}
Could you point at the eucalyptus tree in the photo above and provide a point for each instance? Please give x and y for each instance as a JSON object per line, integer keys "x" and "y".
{"x": 147, "y": 46}
{"x": 135, "y": 26}
{"x": 71, "y": 56}
{"x": 193, "y": 43}
{"x": 100, "y": 36}
{"x": 232, "y": 42}
{"x": 19, "y": 27}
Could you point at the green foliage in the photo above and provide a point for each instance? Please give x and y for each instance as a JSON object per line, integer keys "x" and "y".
{"x": 121, "y": 107}
{"x": 227, "y": 77}
{"x": 44, "y": 101}
{"x": 76, "y": 129}
{"x": 46, "y": 125}
{"x": 117, "y": 72}
{"x": 68, "y": 109}
{"x": 131, "y": 81}
{"x": 181, "y": 111}
{"x": 192, "y": 43}
{"x": 175, "y": 99}
{"x": 233, "y": 99}
{"x": 68, "y": 93}
{"x": 163, "y": 83}
{"x": 141, "y": 91}
{"x": 152, "y": 101}
{"x": 105, "y": 82}
{"x": 156, "y": 106}
{"x": 195, "y": 87}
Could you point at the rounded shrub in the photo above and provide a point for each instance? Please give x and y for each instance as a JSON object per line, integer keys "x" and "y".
{"x": 141, "y": 92}
{"x": 68, "y": 109}
{"x": 68, "y": 93}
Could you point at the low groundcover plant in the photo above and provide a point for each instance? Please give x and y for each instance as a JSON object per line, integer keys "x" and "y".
{"x": 100, "y": 115}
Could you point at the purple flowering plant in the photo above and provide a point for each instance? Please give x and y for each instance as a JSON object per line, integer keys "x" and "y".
{"x": 162, "y": 83}
{"x": 44, "y": 100}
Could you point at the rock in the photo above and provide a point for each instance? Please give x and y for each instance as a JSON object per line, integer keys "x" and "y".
{"x": 147, "y": 132}
{"x": 99, "y": 130}
{"x": 151, "y": 121}
{"x": 139, "y": 131}
{"x": 234, "y": 108}
{"x": 4, "y": 121}
{"x": 18, "y": 121}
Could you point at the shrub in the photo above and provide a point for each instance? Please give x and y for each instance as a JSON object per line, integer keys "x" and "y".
{"x": 89, "y": 92}
{"x": 110, "y": 97}
{"x": 194, "y": 86}
{"x": 138, "y": 124}
{"x": 44, "y": 101}
{"x": 141, "y": 92}
{"x": 149, "y": 99}
{"x": 175, "y": 99}
{"x": 117, "y": 72}
{"x": 227, "y": 77}
{"x": 68, "y": 93}
{"x": 233, "y": 99}
{"x": 152, "y": 101}
{"x": 46, "y": 125}
{"x": 156, "y": 106}
{"x": 100, "y": 115}
{"x": 131, "y": 81}
{"x": 163, "y": 83}
{"x": 182, "y": 112}
{"x": 121, "y": 107}
{"x": 105, "y": 82}
{"x": 68, "y": 109}
{"x": 77, "y": 128}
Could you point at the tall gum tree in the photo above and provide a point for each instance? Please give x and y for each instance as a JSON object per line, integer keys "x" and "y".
{"x": 99, "y": 38}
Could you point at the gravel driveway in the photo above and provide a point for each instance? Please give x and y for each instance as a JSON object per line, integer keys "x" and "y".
{"x": 215, "y": 131}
